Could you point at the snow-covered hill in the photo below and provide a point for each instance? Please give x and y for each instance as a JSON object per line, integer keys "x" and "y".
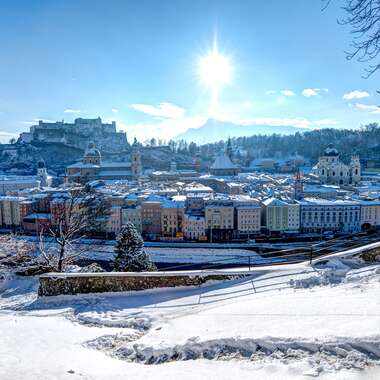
{"x": 291, "y": 323}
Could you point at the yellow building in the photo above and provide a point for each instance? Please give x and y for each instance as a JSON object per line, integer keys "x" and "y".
{"x": 172, "y": 217}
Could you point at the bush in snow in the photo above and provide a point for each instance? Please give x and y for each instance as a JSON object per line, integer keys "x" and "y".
{"x": 129, "y": 252}
{"x": 92, "y": 268}
{"x": 19, "y": 256}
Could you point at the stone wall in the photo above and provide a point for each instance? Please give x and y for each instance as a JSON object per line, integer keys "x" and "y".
{"x": 53, "y": 284}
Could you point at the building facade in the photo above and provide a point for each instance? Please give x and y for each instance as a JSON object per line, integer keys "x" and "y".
{"x": 321, "y": 215}
{"x": 113, "y": 225}
{"x": 132, "y": 214}
{"x": 331, "y": 170}
{"x": 370, "y": 214}
{"x": 151, "y": 219}
{"x": 248, "y": 219}
{"x": 93, "y": 168}
{"x": 172, "y": 216}
{"x": 194, "y": 227}
{"x": 219, "y": 218}
{"x": 279, "y": 216}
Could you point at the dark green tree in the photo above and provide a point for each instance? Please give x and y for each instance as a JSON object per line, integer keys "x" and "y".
{"x": 129, "y": 252}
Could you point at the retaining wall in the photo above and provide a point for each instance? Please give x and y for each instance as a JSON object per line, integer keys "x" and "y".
{"x": 53, "y": 284}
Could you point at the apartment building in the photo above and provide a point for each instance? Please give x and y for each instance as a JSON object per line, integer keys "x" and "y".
{"x": 248, "y": 220}
{"x": 151, "y": 219}
{"x": 219, "y": 217}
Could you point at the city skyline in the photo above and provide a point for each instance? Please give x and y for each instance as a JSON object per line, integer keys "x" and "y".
{"x": 108, "y": 60}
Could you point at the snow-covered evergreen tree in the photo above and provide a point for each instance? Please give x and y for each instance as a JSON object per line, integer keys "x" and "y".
{"x": 129, "y": 251}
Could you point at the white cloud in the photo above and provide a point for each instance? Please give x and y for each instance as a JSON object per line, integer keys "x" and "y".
{"x": 36, "y": 120}
{"x": 299, "y": 122}
{"x": 309, "y": 92}
{"x": 165, "y": 110}
{"x": 115, "y": 110}
{"x": 163, "y": 129}
{"x": 370, "y": 108}
{"x": 70, "y": 110}
{"x": 355, "y": 95}
{"x": 6, "y": 136}
{"x": 271, "y": 92}
{"x": 287, "y": 93}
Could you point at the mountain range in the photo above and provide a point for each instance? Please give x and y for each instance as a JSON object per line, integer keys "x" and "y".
{"x": 215, "y": 130}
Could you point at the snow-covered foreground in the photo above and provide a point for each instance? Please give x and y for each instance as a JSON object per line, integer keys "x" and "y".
{"x": 291, "y": 323}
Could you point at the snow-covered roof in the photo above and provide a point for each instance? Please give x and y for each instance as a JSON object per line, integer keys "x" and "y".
{"x": 223, "y": 162}
{"x": 325, "y": 202}
{"x": 274, "y": 202}
{"x": 112, "y": 164}
{"x": 331, "y": 151}
{"x": 114, "y": 173}
{"x": 81, "y": 165}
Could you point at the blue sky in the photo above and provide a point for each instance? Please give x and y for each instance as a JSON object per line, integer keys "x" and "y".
{"x": 136, "y": 62}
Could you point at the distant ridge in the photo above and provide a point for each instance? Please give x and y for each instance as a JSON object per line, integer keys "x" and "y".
{"x": 215, "y": 130}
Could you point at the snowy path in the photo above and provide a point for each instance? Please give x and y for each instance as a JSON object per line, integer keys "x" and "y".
{"x": 291, "y": 323}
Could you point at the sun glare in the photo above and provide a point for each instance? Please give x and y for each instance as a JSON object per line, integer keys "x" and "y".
{"x": 215, "y": 71}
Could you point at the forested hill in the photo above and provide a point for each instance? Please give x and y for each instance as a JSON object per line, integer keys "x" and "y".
{"x": 364, "y": 141}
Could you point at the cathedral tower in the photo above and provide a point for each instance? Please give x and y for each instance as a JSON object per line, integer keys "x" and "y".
{"x": 136, "y": 160}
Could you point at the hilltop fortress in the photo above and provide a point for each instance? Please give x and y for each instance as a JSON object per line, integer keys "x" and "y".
{"x": 78, "y": 134}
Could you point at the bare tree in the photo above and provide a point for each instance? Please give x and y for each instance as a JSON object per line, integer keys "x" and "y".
{"x": 78, "y": 215}
{"x": 363, "y": 16}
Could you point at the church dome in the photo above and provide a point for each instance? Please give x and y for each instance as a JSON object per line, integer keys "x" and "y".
{"x": 91, "y": 151}
{"x": 41, "y": 164}
{"x": 331, "y": 151}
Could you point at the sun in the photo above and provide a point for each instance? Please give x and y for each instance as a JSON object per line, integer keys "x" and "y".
{"x": 215, "y": 71}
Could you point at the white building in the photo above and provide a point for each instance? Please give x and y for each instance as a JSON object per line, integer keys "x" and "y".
{"x": 331, "y": 170}
{"x": 10, "y": 210}
{"x": 293, "y": 217}
{"x": 318, "y": 215}
{"x": 280, "y": 216}
{"x": 369, "y": 214}
{"x": 15, "y": 183}
{"x": 194, "y": 227}
{"x": 42, "y": 174}
{"x": 248, "y": 219}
